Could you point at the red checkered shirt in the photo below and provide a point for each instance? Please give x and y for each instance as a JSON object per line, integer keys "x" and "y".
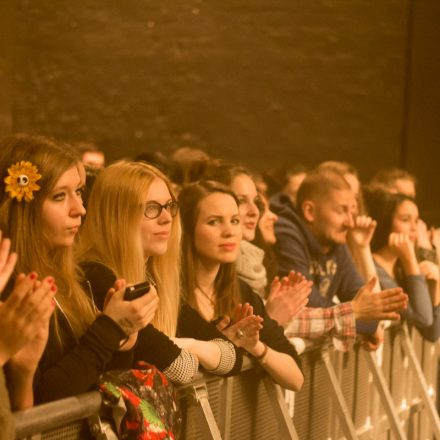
{"x": 337, "y": 322}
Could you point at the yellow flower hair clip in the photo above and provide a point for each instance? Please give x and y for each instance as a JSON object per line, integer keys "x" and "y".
{"x": 21, "y": 181}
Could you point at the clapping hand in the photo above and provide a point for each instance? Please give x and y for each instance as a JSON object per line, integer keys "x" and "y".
{"x": 243, "y": 330}
{"x": 288, "y": 297}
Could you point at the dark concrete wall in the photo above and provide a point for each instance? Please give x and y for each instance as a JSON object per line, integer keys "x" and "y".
{"x": 422, "y": 140}
{"x": 260, "y": 82}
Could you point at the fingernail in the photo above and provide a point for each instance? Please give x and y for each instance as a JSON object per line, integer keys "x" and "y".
{"x": 33, "y": 276}
{"x": 53, "y": 288}
{"x": 53, "y": 302}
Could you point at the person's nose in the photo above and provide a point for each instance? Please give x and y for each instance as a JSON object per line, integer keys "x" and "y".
{"x": 77, "y": 208}
{"x": 349, "y": 222}
{"x": 253, "y": 210}
{"x": 165, "y": 217}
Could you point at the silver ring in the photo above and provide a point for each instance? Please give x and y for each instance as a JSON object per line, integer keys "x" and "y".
{"x": 240, "y": 334}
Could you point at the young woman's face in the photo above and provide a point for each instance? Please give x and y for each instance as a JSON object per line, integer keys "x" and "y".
{"x": 155, "y": 232}
{"x": 218, "y": 233}
{"x": 63, "y": 208}
{"x": 405, "y": 219}
{"x": 246, "y": 192}
{"x": 266, "y": 223}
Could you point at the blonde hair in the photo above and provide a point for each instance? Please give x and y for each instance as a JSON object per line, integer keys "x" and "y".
{"x": 111, "y": 235}
{"x": 23, "y": 223}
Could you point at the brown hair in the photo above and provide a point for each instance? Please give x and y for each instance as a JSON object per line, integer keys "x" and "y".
{"x": 317, "y": 184}
{"x": 23, "y": 223}
{"x": 226, "y": 285}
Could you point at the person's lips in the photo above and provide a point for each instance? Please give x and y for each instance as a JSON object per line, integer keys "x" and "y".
{"x": 228, "y": 246}
{"x": 73, "y": 229}
{"x": 250, "y": 225}
{"x": 162, "y": 234}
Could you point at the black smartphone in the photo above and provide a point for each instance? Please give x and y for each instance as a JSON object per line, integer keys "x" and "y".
{"x": 136, "y": 291}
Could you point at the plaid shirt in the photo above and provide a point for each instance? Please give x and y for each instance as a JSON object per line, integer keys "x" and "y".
{"x": 313, "y": 323}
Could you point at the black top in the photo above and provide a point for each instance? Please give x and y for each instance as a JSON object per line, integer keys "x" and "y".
{"x": 74, "y": 367}
{"x": 191, "y": 324}
{"x": 152, "y": 345}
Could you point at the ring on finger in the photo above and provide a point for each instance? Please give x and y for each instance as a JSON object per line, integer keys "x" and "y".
{"x": 240, "y": 333}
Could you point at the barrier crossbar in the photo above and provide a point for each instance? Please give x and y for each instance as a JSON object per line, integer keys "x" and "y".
{"x": 354, "y": 395}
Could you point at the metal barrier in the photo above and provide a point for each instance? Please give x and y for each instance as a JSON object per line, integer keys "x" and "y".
{"x": 354, "y": 395}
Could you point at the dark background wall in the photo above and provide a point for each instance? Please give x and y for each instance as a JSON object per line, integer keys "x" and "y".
{"x": 260, "y": 82}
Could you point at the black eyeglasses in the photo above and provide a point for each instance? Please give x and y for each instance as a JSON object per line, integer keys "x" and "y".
{"x": 154, "y": 209}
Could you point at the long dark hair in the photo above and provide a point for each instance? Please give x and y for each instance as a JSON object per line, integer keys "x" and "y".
{"x": 382, "y": 206}
{"x": 226, "y": 287}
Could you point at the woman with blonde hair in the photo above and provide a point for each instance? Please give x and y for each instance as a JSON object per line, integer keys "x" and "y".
{"x": 132, "y": 231}
{"x": 41, "y": 210}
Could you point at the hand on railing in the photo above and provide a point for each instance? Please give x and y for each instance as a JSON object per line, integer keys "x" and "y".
{"x": 372, "y": 306}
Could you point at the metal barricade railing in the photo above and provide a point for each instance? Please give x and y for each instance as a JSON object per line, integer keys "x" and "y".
{"x": 354, "y": 395}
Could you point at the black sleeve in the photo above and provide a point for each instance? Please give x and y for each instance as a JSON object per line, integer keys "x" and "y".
{"x": 101, "y": 279}
{"x": 155, "y": 347}
{"x": 192, "y": 325}
{"x": 78, "y": 369}
{"x": 272, "y": 333}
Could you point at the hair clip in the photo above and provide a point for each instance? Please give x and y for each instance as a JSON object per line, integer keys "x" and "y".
{"x": 21, "y": 181}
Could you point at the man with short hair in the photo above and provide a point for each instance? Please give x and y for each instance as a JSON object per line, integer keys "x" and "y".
{"x": 311, "y": 239}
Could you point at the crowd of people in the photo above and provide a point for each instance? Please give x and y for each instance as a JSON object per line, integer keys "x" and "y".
{"x": 232, "y": 263}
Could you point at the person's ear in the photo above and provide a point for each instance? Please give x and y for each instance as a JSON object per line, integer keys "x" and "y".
{"x": 309, "y": 211}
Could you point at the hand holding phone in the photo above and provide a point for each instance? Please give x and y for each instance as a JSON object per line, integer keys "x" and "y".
{"x": 136, "y": 291}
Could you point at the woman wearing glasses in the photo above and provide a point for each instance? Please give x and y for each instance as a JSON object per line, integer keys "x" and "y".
{"x": 132, "y": 231}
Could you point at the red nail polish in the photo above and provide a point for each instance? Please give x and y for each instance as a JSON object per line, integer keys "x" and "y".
{"x": 50, "y": 280}
{"x": 33, "y": 276}
{"x": 53, "y": 288}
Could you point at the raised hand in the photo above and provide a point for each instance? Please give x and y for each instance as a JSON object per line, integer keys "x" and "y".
{"x": 134, "y": 315}
{"x": 244, "y": 330}
{"x": 423, "y": 238}
{"x": 372, "y": 306}
{"x": 362, "y": 232}
{"x": 288, "y": 297}
{"x": 403, "y": 247}
{"x": 24, "y": 320}
{"x": 430, "y": 270}
{"x": 7, "y": 261}
{"x": 434, "y": 237}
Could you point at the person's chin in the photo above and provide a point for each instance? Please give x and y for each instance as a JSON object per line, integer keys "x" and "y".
{"x": 157, "y": 251}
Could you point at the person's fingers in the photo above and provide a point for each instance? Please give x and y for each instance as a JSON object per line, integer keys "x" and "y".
{"x": 369, "y": 285}
{"x": 223, "y": 323}
{"x": 22, "y": 288}
{"x": 5, "y": 246}
{"x": 33, "y": 304}
{"x": 274, "y": 287}
{"x": 119, "y": 285}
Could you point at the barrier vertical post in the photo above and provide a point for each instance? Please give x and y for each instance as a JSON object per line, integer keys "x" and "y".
{"x": 200, "y": 395}
{"x": 225, "y": 415}
{"x": 285, "y": 423}
{"x": 415, "y": 365}
{"x": 385, "y": 395}
{"x": 341, "y": 406}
